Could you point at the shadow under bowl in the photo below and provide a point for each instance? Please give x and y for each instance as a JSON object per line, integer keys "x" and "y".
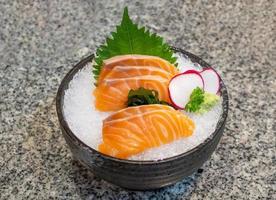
{"x": 140, "y": 175}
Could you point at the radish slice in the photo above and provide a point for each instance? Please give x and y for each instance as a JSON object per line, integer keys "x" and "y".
{"x": 211, "y": 80}
{"x": 182, "y": 85}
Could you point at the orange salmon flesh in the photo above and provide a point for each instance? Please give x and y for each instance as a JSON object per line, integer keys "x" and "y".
{"x": 135, "y": 129}
{"x": 120, "y": 74}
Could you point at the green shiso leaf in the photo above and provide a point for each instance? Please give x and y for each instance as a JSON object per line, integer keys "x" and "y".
{"x": 130, "y": 39}
{"x": 143, "y": 96}
{"x": 201, "y": 102}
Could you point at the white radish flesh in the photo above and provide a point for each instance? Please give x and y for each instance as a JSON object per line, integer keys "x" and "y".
{"x": 211, "y": 80}
{"x": 182, "y": 85}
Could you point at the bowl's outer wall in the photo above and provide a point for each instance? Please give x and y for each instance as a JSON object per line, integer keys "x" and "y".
{"x": 139, "y": 175}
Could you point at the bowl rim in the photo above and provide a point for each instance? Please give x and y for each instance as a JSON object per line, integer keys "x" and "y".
{"x": 68, "y": 77}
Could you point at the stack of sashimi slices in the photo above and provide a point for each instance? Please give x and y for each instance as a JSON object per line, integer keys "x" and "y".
{"x": 132, "y": 130}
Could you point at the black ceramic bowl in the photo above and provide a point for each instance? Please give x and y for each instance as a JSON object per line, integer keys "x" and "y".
{"x": 140, "y": 175}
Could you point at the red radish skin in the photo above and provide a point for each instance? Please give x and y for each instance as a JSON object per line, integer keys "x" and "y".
{"x": 207, "y": 83}
{"x": 198, "y": 84}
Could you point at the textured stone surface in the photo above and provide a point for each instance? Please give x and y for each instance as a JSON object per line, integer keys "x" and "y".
{"x": 41, "y": 40}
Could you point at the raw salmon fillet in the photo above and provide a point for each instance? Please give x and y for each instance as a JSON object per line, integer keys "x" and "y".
{"x": 136, "y": 60}
{"x": 132, "y": 71}
{"x": 134, "y": 129}
{"x": 111, "y": 94}
{"x": 120, "y": 74}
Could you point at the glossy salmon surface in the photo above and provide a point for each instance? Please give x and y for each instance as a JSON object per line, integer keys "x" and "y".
{"x": 134, "y": 129}
{"x": 120, "y": 74}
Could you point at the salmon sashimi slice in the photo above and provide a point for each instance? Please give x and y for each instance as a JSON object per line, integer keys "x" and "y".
{"x": 112, "y": 94}
{"x": 134, "y": 129}
{"x": 136, "y": 60}
{"x": 142, "y": 109}
{"x": 132, "y": 71}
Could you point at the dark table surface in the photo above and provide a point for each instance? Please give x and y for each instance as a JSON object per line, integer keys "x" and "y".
{"x": 41, "y": 40}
